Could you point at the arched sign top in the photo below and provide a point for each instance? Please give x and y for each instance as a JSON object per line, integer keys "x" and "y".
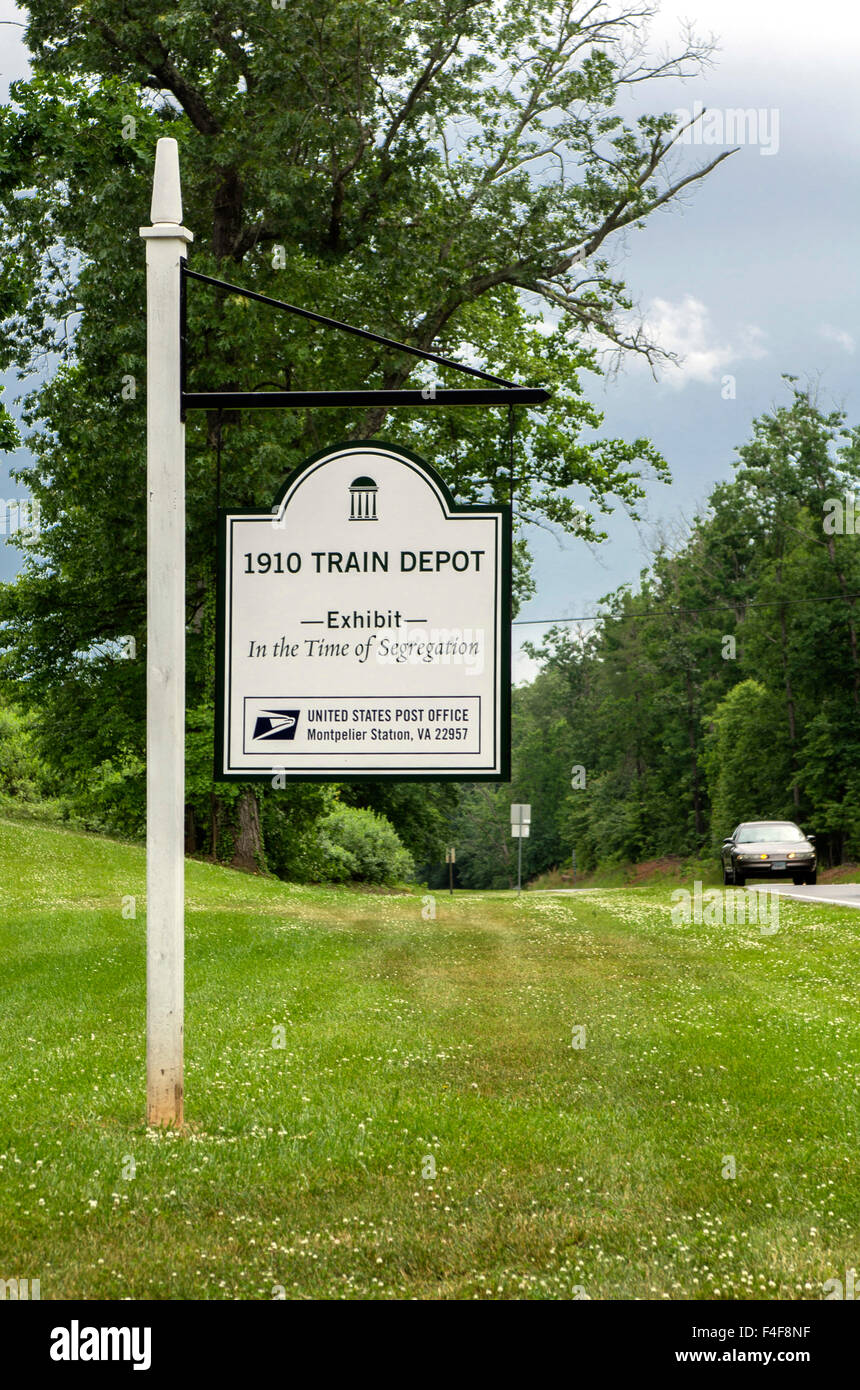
{"x": 364, "y": 627}
{"x": 363, "y": 453}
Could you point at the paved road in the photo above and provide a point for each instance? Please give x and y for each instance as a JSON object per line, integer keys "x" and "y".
{"x": 839, "y": 894}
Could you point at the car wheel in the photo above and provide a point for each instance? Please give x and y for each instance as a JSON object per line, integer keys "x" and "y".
{"x": 738, "y": 879}
{"x": 727, "y": 877}
{"x": 799, "y": 878}
{"x": 812, "y": 878}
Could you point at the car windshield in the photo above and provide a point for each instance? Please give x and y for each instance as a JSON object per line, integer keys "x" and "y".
{"x": 768, "y": 830}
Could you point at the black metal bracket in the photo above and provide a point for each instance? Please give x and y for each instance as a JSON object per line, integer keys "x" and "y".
{"x": 503, "y": 392}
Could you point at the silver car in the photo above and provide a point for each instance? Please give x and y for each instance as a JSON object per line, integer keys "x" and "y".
{"x": 768, "y": 849}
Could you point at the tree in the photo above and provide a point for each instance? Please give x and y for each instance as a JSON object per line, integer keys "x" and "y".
{"x": 724, "y": 688}
{"x": 419, "y": 812}
{"x": 797, "y": 459}
{"x": 412, "y": 167}
{"x": 22, "y": 774}
{"x": 746, "y": 761}
{"x": 542, "y": 766}
{"x": 481, "y": 833}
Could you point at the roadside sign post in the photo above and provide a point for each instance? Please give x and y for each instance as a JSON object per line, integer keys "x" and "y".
{"x": 363, "y": 620}
{"x": 166, "y": 242}
{"x": 520, "y": 863}
{"x": 451, "y": 859}
{"x": 521, "y": 815}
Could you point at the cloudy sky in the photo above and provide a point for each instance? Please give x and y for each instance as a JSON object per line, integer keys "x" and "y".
{"x": 753, "y": 276}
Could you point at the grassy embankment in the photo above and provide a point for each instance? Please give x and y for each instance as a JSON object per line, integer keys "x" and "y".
{"x": 558, "y": 1168}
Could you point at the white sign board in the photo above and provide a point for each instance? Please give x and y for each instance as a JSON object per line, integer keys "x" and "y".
{"x": 521, "y": 813}
{"x": 518, "y": 831}
{"x": 364, "y": 628}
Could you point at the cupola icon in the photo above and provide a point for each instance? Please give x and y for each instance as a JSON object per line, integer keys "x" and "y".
{"x": 362, "y": 500}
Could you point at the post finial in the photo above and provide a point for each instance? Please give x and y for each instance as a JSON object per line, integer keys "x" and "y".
{"x": 166, "y": 191}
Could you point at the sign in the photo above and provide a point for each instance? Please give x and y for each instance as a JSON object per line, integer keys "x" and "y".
{"x": 364, "y": 628}
{"x": 451, "y": 855}
{"x": 521, "y": 814}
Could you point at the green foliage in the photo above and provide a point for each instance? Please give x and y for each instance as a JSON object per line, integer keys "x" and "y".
{"x": 113, "y": 798}
{"x": 23, "y": 775}
{"x": 746, "y": 759}
{"x": 419, "y": 811}
{"x": 728, "y": 687}
{"x": 9, "y": 435}
{"x": 360, "y": 846}
{"x": 481, "y": 834}
{"x": 292, "y": 820}
{"x": 437, "y": 174}
{"x": 545, "y": 754}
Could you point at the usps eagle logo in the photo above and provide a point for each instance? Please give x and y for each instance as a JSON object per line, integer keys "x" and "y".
{"x": 275, "y": 725}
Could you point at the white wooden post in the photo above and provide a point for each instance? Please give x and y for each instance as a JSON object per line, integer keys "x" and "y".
{"x": 165, "y": 648}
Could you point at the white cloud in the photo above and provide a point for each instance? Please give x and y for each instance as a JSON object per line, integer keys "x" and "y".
{"x": 685, "y": 328}
{"x": 766, "y": 28}
{"x": 837, "y": 335}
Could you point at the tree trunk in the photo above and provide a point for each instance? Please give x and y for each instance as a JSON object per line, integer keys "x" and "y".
{"x": 227, "y": 214}
{"x": 789, "y": 703}
{"x": 214, "y": 815}
{"x": 852, "y": 630}
{"x": 506, "y": 856}
{"x": 190, "y": 831}
{"x": 248, "y": 849}
{"x": 694, "y": 760}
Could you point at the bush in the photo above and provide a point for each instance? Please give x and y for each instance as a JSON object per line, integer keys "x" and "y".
{"x": 291, "y": 823}
{"x": 23, "y": 776}
{"x": 361, "y": 846}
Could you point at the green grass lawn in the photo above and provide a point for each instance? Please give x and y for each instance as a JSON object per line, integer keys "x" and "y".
{"x": 557, "y": 1168}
